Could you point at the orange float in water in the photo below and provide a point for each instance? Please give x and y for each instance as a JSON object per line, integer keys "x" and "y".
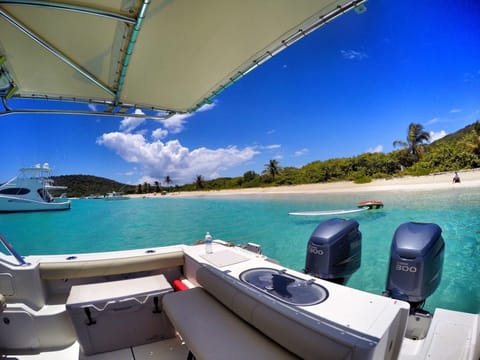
{"x": 371, "y": 204}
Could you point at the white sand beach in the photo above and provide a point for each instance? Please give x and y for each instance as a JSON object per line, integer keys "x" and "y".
{"x": 439, "y": 181}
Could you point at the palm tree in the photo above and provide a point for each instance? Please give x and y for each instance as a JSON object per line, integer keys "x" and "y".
{"x": 167, "y": 180}
{"x": 272, "y": 168}
{"x": 199, "y": 182}
{"x": 415, "y": 138}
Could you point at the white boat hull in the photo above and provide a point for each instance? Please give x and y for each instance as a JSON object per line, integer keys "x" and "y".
{"x": 39, "y": 325}
{"x": 327, "y": 212}
{"x": 13, "y": 204}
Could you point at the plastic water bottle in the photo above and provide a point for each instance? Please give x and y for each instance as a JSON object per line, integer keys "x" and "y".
{"x": 208, "y": 243}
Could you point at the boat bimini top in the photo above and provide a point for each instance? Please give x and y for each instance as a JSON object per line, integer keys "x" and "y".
{"x": 160, "y": 56}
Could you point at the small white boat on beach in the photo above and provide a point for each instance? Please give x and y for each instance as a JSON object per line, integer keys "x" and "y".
{"x": 111, "y": 196}
{"x": 30, "y": 191}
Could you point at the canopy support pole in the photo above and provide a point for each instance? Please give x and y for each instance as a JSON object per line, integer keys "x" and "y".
{"x": 129, "y": 50}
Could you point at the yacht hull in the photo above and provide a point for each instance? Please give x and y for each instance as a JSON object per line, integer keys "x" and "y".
{"x": 13, "y": 204}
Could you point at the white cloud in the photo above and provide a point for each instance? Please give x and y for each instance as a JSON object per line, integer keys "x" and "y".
{"x": 208, "y": 107}
{"x": 301, "y": 152}
{"x": 148, "y": 180}
{"x": 176, "y": 123}
{"x": 353, "y": 54}
{"x": 432, "y": 121}
{"x": 159, "y": 134}
{"x": 437, "y": 135}
{"x": 129, "y": 123}
{"x": 159, "y": 159}
{"x": 92, "y": 107}
{"x": 376, "y": 149}
{"x": 271, "y": 147}
{"x": 455, "y": 111}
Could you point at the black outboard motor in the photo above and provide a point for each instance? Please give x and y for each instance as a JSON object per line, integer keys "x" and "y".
{"x": 416, "y": 262}
{"x": 334, "y": 250}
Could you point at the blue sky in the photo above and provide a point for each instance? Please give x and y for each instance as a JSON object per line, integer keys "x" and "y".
{"x": 351, "y": 87}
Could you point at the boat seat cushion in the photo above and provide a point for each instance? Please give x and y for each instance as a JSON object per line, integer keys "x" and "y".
{"x": 303, "y": 334}
{"x": 211, "y": 331}
{"x": 75, "y": 269}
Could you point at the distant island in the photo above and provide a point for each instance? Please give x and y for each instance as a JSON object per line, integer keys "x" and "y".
{"x": 454, "y": 152}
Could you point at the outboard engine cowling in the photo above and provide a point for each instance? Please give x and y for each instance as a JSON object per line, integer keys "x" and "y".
{"x": 416, "y": 262}
{"x": 334, "y": 250}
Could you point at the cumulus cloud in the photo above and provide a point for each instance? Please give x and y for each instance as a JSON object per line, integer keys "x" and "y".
{"x": 353, "y": 54}
{"x": 376, "y": 149}
{"x": 159, "y": 159}
{"x": 437, "y": 135}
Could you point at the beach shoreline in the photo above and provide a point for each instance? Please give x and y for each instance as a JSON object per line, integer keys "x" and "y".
{"x": 438, "y": 181}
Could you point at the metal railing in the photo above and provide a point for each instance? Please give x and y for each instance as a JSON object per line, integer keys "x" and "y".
{"x": 12, "y": 250}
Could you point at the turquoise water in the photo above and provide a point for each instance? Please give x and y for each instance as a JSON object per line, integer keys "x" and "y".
{"x": 97, "y": 225}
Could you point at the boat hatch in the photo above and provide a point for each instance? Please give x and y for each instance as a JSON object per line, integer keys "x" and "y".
{"x": 285, "y": 287}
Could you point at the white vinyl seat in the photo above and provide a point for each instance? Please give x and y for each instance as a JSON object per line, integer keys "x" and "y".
{"x": 213, "y": 332}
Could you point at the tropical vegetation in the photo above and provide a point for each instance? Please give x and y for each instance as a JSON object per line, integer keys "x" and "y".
{"x": 454, "y": 152}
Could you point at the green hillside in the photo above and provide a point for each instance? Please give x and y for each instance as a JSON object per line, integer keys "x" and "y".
{"x": 456, "y": 151}
{"x": 85, "y": 185}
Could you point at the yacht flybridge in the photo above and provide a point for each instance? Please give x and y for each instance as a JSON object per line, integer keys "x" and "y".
{"x": 115, "y": 58}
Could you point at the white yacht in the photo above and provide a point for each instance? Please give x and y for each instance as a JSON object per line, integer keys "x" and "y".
{"x": 30, "y": 191}
{"x": 115, "y": 196}
{"x": 181, "y": 302}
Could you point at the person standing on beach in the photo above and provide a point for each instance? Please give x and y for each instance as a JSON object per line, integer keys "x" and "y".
{"x": 456, "y": 178}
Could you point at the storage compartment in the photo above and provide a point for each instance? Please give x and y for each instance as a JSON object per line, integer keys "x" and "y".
{"x": 285, "y": 287}
{"x": 119, "y": 314}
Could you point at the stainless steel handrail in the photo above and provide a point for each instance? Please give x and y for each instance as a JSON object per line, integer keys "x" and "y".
{"x": 12, "y": 250}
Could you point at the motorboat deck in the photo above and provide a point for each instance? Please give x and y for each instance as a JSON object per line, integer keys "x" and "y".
{"x": 70, "y": 307}
{"x": 38, "y": 322}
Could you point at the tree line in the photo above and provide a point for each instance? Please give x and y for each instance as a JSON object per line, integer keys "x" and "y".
{"x": 412, "y": 156}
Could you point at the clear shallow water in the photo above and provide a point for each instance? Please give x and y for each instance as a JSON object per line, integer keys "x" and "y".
{"x": 98, "y": 225}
